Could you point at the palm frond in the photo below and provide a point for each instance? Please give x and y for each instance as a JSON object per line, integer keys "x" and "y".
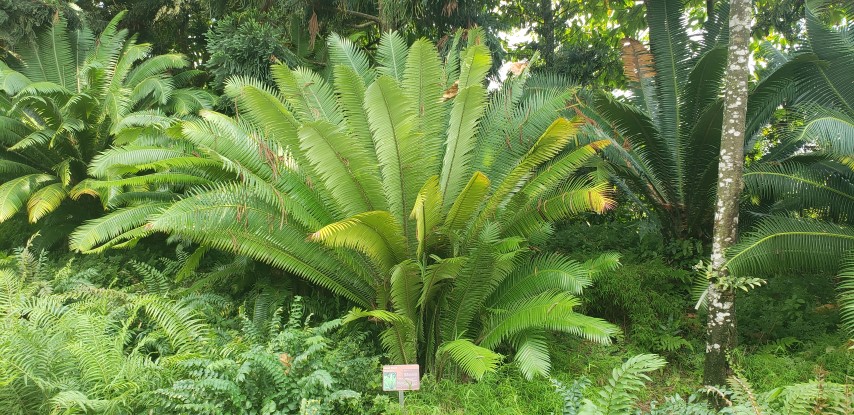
{"x": 15, "y": 193}
{"x": 342, "y": 52}
{"x": 376, "y": 234}
{"x": 392, "y": 54}
{"x": 471, "y": 358}
{"x": 784, "y": 243}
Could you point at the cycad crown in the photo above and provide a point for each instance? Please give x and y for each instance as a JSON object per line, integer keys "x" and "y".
{"x": 68, "y": 98}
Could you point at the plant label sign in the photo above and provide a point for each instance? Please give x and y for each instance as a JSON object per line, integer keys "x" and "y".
{"x": 401, "y": 378}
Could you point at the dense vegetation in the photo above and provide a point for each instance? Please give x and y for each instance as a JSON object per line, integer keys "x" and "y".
{"x": 255, "y": 211}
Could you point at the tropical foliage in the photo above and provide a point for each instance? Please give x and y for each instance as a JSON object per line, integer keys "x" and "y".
{"x": 70, "y": 96}
{"x": 807, "y": 188}
{"x": 71, "y": 347}
{"x": 370, "y": 197}
{"x": 402, "y": 187}
{"x": 666, "y": 134}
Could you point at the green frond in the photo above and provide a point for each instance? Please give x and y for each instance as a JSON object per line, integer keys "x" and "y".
{"x": 671, "y": 47}
{"x": 13, "y": 168}
{"x": 489, "y": 258}
{"x": 45, "y": 200}
{"x": 117, "y": 159}
{"x": 638, "y": 130}
{"x": 338, "y": 164}
{"x": 476, "y": 361}
{"x": 405, "y": 288}
{"x": 188, "y": 101}
{"x": 575, "y": 197}
{"x": 784, "y": 243}
{"x": 826, "y": 82}
{"x": 704, "y": 83}
{"x": 229, "y": 219}
{"x": 15, "y": 193}
{"x": 308, "y": 94}
{"x": 475, "y": 61}
{"x": 436, "y": 276}
{"x": 846, "y": 292}
{"x": 427, "y": 212}
{"x": 397, "y": 145}
{"x": 240, "y": 148}
{"x": 398, "y": 340}
{"x": 423, "y": 84}
{"x": 467, "y": 202}
{"x": 155, "y": 67}
{"x": 145, "y": 118}
{"x": 532, "y": 354}
{"x": 392, "y": 54}
{"x": 48, "y": 88}
{"x": 552, "y": 141}
{"x": 617, "y": 397}
{"x": 182, "y": 327}
{"x": 550, "y": 310}
{"x": 565, "y": 166}
{"x": 98, "y": 231}
{"x": 802, "y": 186}
{"x": 49, "y": 57}
{"x": 148, "y": 180}
{"x": 606, "y": 262}
{"x": 157, "y": 89}
{"x": 376, "y": 234}
{"x": 540, "y": 274}
{"x": 466, "y": 112}
{"x": 12, "y": 82}
{"x": 265, "y": 109}
{"x": 342, "y": 52}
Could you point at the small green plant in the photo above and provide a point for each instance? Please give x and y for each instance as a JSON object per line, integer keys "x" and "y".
{"x": 618, "y": 396}
{"x": 282, "y": 368}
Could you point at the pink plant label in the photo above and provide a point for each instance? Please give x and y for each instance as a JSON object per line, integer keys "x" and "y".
{"x": 401, "y": 378}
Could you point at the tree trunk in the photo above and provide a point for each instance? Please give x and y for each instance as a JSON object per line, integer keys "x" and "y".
{"x": 721, "y": 335}
{"x": 547, "y": 32}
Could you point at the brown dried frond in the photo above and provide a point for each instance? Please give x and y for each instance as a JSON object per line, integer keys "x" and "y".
{"x": 451, "y": 92}
{"x": 637, "y": 60}
{"x": 517, "y": 67}
{"x": 449, "y": 8}
{"x": 313, "y": 29}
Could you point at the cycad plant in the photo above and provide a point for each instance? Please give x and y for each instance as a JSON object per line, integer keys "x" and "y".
{"x": 667, "y": 131}
{"x": 405, "y": 187}
{"x": 66, "y": 98}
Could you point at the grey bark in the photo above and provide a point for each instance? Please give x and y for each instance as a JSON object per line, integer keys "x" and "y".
{"x": 720, "y": 332}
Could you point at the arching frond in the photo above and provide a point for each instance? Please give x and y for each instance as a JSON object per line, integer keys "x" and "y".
{"x": 471, "y": 358}
{"x": 785, "y": 243}
{"x": 376, "y": 234}
{"x": 532, "y": 354}
{"x": 45, "y": 200}
{"x": 15, "y": 193}
{"x": 98, "y": 231}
